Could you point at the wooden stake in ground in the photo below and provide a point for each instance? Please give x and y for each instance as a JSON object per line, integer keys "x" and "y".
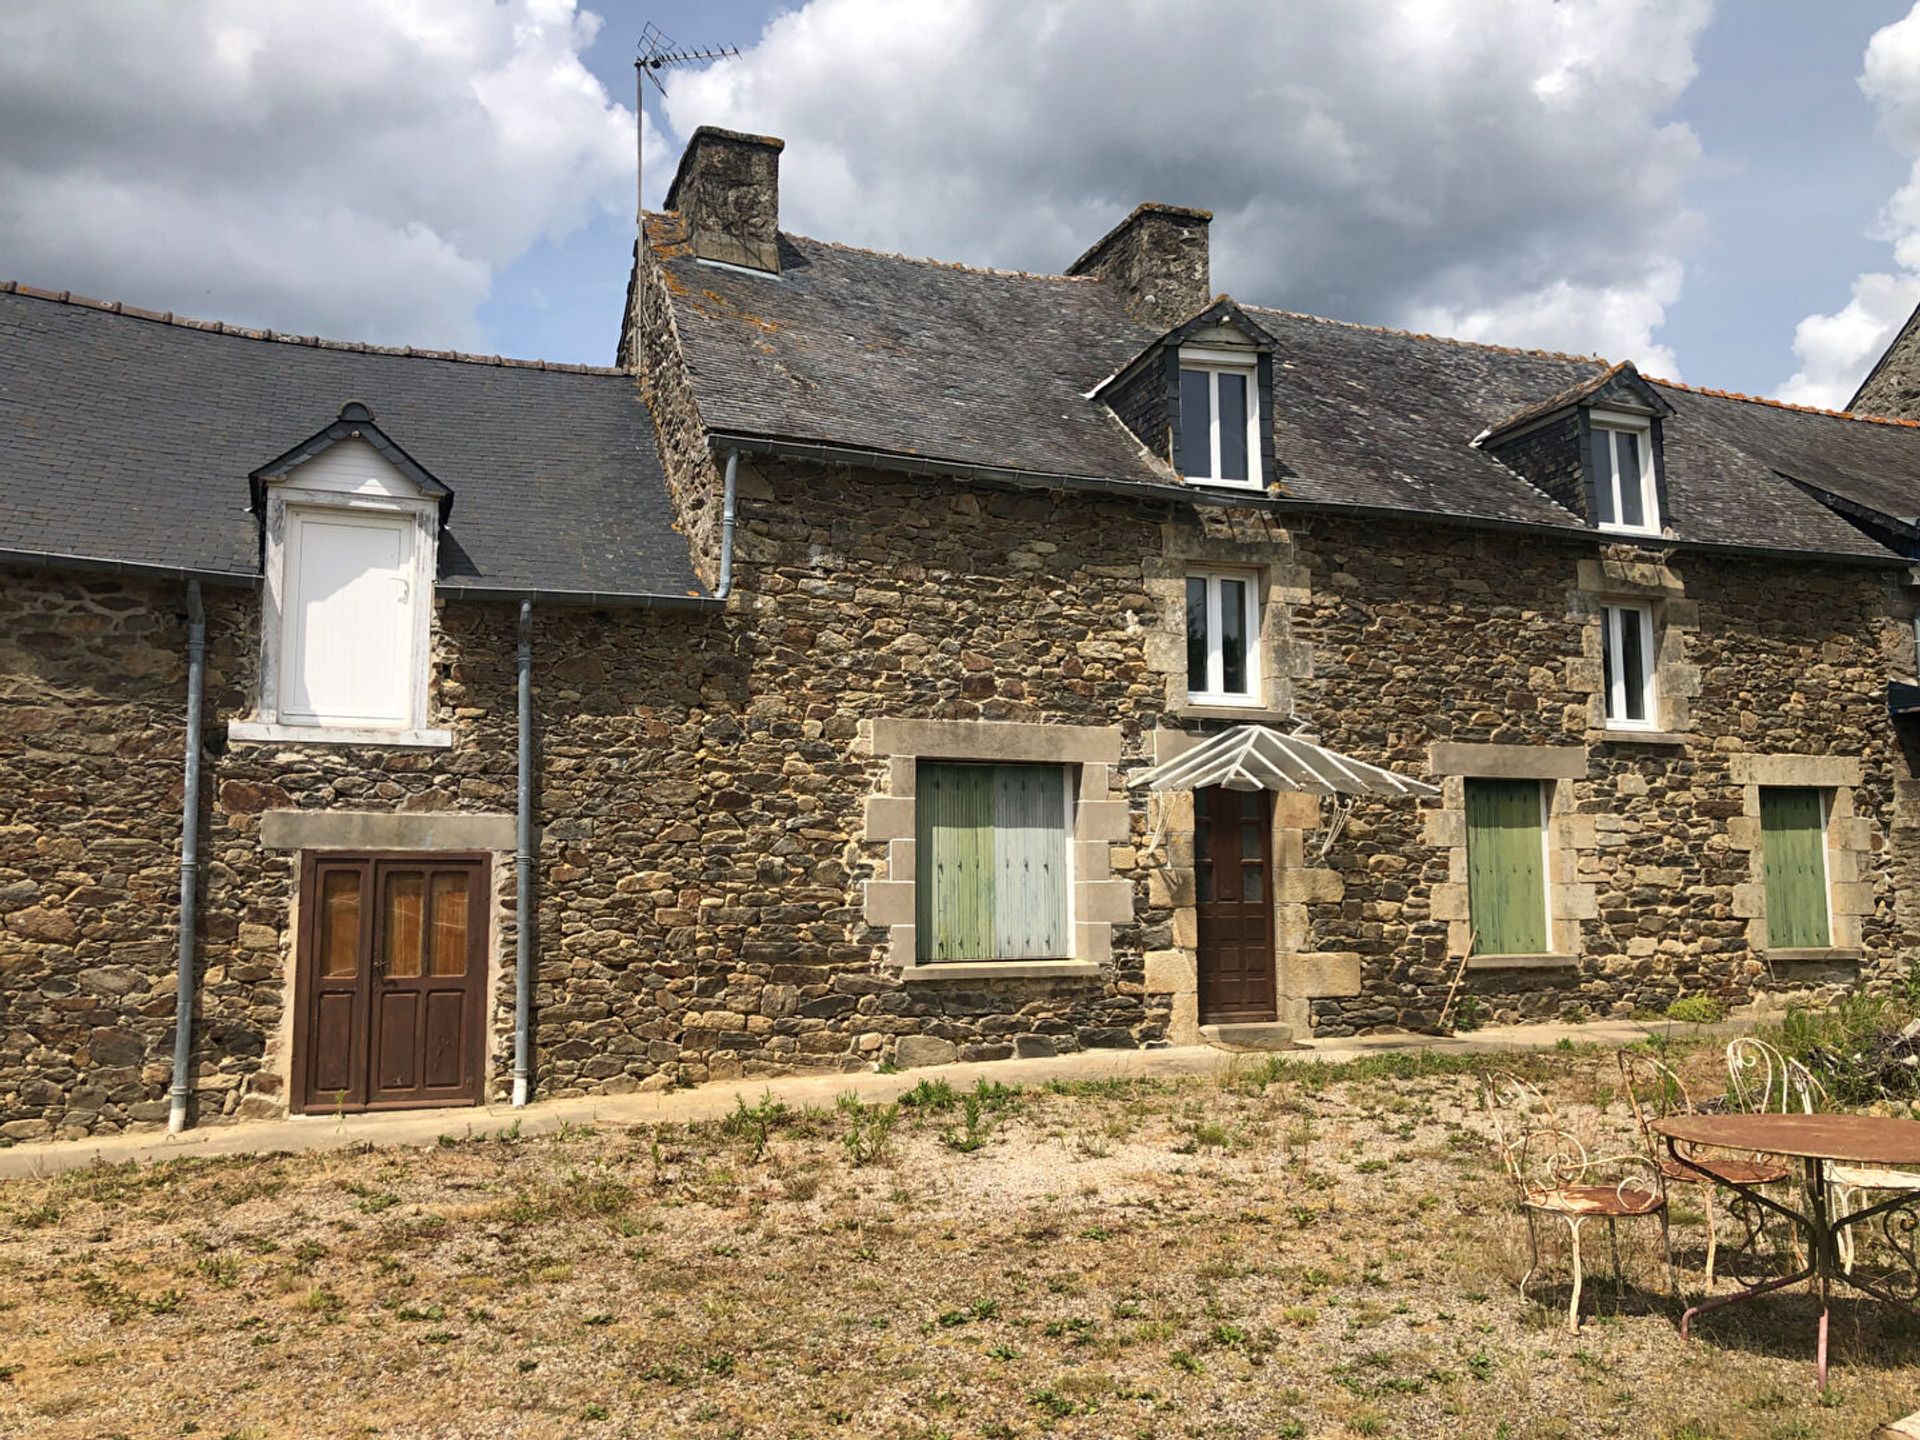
{"x": 1459, "y": 974}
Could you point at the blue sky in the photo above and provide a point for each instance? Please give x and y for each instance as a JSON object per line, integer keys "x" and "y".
{"x": 1725, "y": 192}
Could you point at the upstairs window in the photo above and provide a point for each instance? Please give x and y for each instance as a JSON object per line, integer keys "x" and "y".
{"x": 1219, "y": 419}
{"x": 1623, "y": 489}
{"x": 1223, "y": 621}
{"x": 1626, "y": 643}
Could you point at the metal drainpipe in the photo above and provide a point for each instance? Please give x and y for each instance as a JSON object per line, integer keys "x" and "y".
{"x": 725, "y": 587}
{"x": 189, "y": 864}
{"x": 523, "y": 873}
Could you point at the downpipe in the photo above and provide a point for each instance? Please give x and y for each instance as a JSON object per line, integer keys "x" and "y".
{"x": 181, "y": 1091}
{"x": 725, "y": 587}
{"x": 523, "y": 872}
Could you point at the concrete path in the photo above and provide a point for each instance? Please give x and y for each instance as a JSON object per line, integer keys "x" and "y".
{"x": 709, "y": 1101}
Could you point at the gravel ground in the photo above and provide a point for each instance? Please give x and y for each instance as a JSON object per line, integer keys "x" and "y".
{"x": 1316, "y": 1251}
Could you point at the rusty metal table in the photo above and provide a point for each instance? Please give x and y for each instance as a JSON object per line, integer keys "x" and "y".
{"x": 1815, "y": 1141}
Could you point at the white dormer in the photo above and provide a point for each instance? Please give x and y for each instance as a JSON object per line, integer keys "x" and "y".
{"x": 352, "y": 528}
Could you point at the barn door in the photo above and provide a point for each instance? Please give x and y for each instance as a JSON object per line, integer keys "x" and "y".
{"x": 392, "y": 979}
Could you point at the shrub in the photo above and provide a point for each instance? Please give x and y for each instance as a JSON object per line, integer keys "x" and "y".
{"x": 1697, "y": 1010}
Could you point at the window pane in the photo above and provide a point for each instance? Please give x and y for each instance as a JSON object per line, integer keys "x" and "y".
{"x": 1251, "y": 889}
{"x": 1626, "y": 446}
{"x": 1196, "y": 634}
{"x": 1604, "y": 512}
{"x": 449, "y": 944}
{"x": 1233, "y": 427}
{"x": 1633, "y": 664}
{"x": 1233, "y": 636}
{"x": 339, "y": 924}
{"x": 1196, "y": 420}
{"x": 405, "y": 923}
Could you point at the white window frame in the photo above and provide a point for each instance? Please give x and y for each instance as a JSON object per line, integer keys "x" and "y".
{"x": 270, "y": 723}
{"x": 1614, "y": 618}
{"x": 1216, "y": 363}
{"x": 1612, "y": 424}
{"x": 1213, "y": 694}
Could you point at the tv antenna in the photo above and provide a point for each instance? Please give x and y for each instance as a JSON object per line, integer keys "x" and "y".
{"x": 657, "y": 51}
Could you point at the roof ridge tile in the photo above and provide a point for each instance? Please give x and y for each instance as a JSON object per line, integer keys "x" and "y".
{"x": 314, "y": 342}
{"x": 1773, "y": 404}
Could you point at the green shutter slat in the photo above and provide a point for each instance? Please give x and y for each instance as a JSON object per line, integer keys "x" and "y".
{"x": 1030, "y": 862}
{"x": 954, "y": 860}
{"x": 1794, "y": 855}
{"x": 1506, "y": 868}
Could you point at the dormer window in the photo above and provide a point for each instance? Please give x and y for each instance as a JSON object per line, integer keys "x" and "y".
{"x": 1624, "y": 497}
{"x": 352, "y": 529}
{"x": 1219, "y": 418}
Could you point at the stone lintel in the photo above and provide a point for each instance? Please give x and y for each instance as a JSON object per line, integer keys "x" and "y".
{"x": 1823, "y": 771}
{"x": 1508, "y": 762}
{"x": 377, "y": 830}
{"x": 1003, "y": 740}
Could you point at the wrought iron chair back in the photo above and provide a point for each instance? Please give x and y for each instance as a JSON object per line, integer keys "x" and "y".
{"x": 1764, "y": 1081}
{"x": 1654, "y": 1092}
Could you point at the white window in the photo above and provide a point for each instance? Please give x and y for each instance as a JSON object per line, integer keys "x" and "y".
{"x": 1223, "y": 628}
{"x": 351, "y": 550}
{"x": 1623, "y": 482}
{"x": 1219, "y": 418}
{"x": 1626, "y": 644}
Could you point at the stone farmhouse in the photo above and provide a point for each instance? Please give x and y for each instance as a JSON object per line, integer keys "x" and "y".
{"x": 888, "y": 661}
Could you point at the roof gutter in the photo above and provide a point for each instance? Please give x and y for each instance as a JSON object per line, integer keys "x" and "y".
{"x": 590, "y": 599}
{"x": 825, "y": 454}
{"x": 55, "y": 560}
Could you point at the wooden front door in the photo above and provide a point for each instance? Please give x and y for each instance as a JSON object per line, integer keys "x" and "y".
{"x": 391, "y": 982}
{"x": 1233, "y": 891}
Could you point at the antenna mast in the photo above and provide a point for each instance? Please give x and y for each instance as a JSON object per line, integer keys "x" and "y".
{"x": 657, "y": 51}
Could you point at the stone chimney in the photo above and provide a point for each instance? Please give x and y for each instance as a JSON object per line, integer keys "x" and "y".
{"x": 1157, "y": 259}
{"x": 727, "y": 190}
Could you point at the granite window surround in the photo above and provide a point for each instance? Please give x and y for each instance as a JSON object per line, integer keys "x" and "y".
{"x": 1626, "y": 577}
{"x": 1571, "y": 841}
{"x": 1849, "y": 840}
{"x": 1252, "y": 543}
{"x": 1101, "y": 820}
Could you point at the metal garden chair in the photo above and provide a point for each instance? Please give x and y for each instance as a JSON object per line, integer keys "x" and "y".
{"x": 1762, "y": 1080}
{"x": 1654, "y": 1092}
{"x": 1556, "y": 1177}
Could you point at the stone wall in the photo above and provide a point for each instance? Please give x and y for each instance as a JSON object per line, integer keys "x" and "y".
{"x": 703, "y": 786}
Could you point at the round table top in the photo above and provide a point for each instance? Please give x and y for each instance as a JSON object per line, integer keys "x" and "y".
{"x": 1876, "y": 1139}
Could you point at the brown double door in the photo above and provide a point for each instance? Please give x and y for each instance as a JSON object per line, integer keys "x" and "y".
{"x": 1233, "y": 891}
{"x": 391, "y": 982}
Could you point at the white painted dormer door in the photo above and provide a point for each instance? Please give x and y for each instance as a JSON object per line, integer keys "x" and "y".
{"x": 348, "y": 615}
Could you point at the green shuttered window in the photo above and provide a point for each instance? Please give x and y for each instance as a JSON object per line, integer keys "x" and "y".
{"x": 1506, "y": 867}
{"x": 1793, "y": 836}
{"x": 991, "y": 856}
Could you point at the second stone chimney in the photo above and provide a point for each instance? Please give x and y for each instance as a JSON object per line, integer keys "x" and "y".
{"x": 1157, "y": 259}
{"x": 727, "y": 190}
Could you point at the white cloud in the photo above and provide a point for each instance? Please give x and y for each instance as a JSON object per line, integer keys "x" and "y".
{"x": 360, "y": 168}
{"x": 1836, "y": 351}
{"x": 1496, "y": 168}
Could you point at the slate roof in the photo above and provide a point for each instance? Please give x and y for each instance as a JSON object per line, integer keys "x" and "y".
{"x": 130, "y": 439}
{"x": 915, "y": 358}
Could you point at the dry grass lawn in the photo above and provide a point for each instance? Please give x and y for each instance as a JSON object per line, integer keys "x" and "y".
{"x": 1312, "y": 1251}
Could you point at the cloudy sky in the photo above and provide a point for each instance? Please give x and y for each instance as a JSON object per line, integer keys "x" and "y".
{"x": 1727, "y": 193}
